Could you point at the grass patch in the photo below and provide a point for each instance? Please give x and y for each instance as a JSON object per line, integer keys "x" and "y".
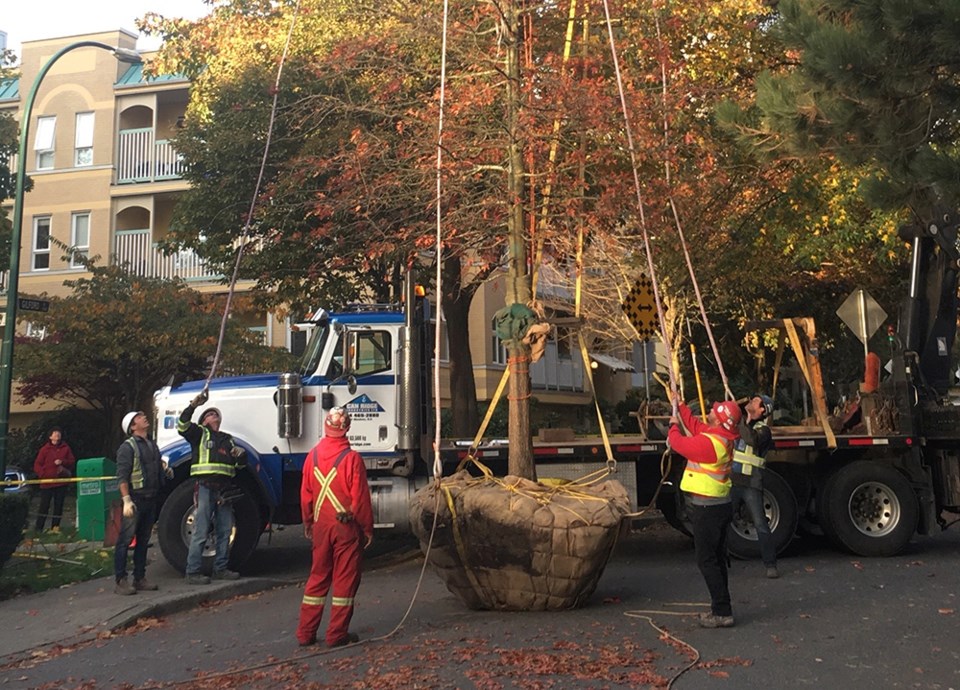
{"x": 48, "y": 561}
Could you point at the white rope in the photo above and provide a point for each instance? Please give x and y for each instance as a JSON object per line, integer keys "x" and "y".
{"x": 643, "y": 222}
{"x": 676, "y": 215}
{"x": 244, "y": 238}
{"x": 437, "y": 464}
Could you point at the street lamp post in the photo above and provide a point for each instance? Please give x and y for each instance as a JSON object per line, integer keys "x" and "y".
{"x": 13, "y": 279}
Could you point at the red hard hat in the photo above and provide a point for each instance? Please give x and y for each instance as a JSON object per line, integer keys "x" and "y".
{"x": 337, "y": 423}
{"x": 727, "y": 413}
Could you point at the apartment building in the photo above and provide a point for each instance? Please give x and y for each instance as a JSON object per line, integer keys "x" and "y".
{"x": 107, "y": 177}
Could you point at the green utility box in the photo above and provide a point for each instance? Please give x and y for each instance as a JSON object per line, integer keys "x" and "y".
{"x": 95, "y": 496}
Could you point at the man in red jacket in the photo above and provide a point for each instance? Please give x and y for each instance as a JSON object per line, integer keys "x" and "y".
{"x": 706, "y": 485}
{"x": 338, "y": 519}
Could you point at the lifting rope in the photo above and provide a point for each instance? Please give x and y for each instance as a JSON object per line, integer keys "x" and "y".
{"x": 245, "y": 236}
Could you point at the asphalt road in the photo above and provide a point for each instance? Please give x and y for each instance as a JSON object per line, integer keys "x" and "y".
{"x": 831, "y": 621}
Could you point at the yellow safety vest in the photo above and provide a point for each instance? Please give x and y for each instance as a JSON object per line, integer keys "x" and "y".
{"x": 206, "y": 465}
{"x": 746, "y": 456}
{"x": 709, "y": 478}
{"x": 136, "y": 474}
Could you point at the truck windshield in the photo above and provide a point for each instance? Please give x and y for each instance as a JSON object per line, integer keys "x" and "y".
{"x": 314, "y": 351}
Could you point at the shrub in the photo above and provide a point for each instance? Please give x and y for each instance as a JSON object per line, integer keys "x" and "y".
{"x": 13, "y": 521}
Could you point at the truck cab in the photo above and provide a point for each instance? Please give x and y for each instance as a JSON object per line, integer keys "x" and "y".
{"x": 366, "y": 359}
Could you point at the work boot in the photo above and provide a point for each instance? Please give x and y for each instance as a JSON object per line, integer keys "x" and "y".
{"x": 226, "y": 574}
{"x": 123, "y": 587}
{"x": 307, "y": 643}
{"x": 55, "y": 529}
{"x": 144, "y": 585}
{"x": 353, "y": 638}
{"x": 772, "y": 572}
{"x": 711, "y": 620}
{"x": 197, "y": 579}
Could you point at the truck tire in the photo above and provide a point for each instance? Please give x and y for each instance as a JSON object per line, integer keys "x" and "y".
{"x": 780, "y": 505}
{"x": 671, "y": 506}
{"x": 175, "y": 528}
{"x": 869, "y": 508}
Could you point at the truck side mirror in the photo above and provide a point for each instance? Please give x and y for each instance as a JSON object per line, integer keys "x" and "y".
{"x": 352, "y": 384}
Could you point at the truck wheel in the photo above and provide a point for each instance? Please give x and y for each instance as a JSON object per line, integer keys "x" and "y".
{"x": 869, "y": 508}
{"x": 175, "y": 529}
{"x": 674, "y": 511}
{"x": 780, "y": 506}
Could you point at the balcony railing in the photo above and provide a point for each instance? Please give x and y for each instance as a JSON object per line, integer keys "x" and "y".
{"x": 136, "y": 249}
{"x": 142, "y": 158}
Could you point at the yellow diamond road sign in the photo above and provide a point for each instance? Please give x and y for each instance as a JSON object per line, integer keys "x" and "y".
{"x": 641, "y": 308}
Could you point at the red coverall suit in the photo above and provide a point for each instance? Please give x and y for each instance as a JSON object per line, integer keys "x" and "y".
{"x": 334, "y": 481}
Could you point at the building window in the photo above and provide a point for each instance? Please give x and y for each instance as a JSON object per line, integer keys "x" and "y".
{"x": 79, "y": 239}
{"x": 36, "y": 332}
{"x": 83, "y": 142}
{"x": 499, "y": 349}
{"x": 43, "y": 144}
{"x": 41, "y": 244}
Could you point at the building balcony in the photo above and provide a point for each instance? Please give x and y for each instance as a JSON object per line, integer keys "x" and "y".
{"x": 141, "y": 157}
{"x": 137, "y": 250}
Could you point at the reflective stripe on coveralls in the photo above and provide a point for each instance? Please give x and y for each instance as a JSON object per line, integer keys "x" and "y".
{"x": 709, "y": 478}
{"x": 326, "y": 493}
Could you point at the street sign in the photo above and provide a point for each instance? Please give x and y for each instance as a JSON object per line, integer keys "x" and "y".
{"x": 862, "y": 315}
{"x": 641, "y": 308}
{"x": 25, "y": 304}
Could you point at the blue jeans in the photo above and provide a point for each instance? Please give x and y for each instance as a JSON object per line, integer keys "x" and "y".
{"x": 139, "y": 526}
{"x": 209, "y": 509}
{"x": 753, "y": 499}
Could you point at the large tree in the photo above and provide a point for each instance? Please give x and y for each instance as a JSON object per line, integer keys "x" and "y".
{"x": 872, "y": 84}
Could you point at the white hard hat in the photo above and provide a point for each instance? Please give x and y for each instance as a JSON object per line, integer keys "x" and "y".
{"x": 128, "y": 420}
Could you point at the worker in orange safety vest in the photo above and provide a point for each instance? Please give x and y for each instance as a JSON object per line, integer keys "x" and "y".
{"x": 338, "y": 519}
{"x": 706, "y": 487}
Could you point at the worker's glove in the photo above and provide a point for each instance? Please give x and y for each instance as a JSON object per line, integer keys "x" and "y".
{"x": 168, "y": 472}
{"x": 129, "y": 510}
{"x": 201, "y": 398}
{"x": 238, "y": 451}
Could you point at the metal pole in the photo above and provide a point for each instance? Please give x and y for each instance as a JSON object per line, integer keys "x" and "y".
{"x": 862, "y": 295}
{"x": 13, "y": 279}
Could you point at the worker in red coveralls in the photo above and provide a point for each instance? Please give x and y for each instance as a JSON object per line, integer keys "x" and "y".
{"x": 338, "y": 519}
{"x": 706, "y": 486}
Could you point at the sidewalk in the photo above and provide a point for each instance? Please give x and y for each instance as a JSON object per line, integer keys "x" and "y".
{"x": 82, "y": 611}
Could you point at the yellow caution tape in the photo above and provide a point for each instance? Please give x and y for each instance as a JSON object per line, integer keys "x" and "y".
{"x": 63, "y": 480}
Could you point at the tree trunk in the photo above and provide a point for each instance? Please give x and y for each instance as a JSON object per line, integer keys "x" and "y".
{"x": 456, "y": 300}
{"x": 518, "y": 278}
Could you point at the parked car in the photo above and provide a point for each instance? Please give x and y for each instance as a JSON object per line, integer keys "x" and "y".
{"x": 16, "y": 474}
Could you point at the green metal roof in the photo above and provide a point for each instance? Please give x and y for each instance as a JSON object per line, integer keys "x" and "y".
{"x": 9, "y": 89}
{"x": 134, "y": 76}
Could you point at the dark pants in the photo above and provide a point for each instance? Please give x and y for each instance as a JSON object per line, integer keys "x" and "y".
{"x": 753, "y": 499}
{"x": 57, "y": 493}
{"x": 710, "y": 524}
{"x": 139, "y": 526}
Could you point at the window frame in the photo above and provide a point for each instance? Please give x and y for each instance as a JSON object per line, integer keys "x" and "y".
{"x": 36, "y": 251}
{"x": 45, "y": 142}
{"x": 82, "y": 249}
{"x": 85, "y": 145}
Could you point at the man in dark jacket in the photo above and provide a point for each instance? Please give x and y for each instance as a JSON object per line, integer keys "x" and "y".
{"x": 140, "y": 474}
{"x": 749, "y": 455}
{"x": 215, "y": 461}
